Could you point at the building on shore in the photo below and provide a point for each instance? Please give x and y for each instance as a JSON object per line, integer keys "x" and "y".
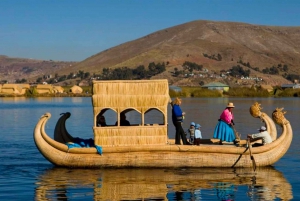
{"x": 44, "y": 89}
{"x": 16, "y": 89}
{"x": 175, "y": 88}
{"x": 216, "y": 86}
{"x": 76, "y": 89}
{"x": 290, "y": 86}
{"x": 58, "y": 89}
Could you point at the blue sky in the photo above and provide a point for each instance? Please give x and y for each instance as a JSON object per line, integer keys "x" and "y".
{"x": 73, "y": 30}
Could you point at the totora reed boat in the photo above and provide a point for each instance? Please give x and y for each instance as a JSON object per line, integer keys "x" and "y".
{"x": 147, "y": 144}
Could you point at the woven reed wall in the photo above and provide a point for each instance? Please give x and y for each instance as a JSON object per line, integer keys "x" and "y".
{"x": 130, "y": 135}
{"x": 123, "y": 94}
{"x": 140, "y": 95}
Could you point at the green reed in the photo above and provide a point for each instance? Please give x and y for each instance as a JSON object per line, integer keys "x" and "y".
{"x": 247, "y": 92}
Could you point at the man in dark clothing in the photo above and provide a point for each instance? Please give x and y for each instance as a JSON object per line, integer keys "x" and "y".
{"x": 123, "y": 120}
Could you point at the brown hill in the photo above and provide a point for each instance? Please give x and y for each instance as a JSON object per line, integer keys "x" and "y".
{"x": 260, "y": 46}
{"x": 29, "y": 69}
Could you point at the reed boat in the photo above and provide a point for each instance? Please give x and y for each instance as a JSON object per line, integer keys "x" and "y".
{"x": 147, "y": 144}
{"x": 266, "y": 183}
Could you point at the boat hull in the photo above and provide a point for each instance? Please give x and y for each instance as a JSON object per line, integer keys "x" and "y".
{"x": 158, "y": 156}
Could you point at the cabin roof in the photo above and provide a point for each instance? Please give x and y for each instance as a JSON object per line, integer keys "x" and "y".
{"x": 140, "y": 95}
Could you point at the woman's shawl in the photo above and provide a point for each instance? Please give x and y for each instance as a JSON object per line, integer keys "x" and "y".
{"x": 226, "y": 116}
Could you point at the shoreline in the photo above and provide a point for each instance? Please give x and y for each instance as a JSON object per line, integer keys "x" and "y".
{"x": 185, "y": 92}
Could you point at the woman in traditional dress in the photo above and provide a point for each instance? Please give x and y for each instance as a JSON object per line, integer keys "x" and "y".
{"x": 224, "y": 129}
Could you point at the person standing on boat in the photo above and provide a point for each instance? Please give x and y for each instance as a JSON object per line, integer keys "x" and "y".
{"x": 177, "y": 118}
{"x": 224, "y": 129}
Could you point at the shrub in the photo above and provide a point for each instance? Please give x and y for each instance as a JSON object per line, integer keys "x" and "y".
{"x": 31, "y": 92}
{"x": 289, "y": 93}
{"x": 206, "y": 93}
{"x": 247, "y": 92}
{"x": 195, "y": 92}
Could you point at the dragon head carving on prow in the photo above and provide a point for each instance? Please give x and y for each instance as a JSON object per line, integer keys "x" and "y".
{"x": 278, "y": 116}
{"x": 255, "y": 110}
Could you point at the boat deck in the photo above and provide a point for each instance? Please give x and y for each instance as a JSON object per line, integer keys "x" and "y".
{"x": 214, "y": 142}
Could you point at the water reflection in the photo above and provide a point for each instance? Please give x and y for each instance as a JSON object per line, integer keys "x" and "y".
{"x": 163, "y": 184}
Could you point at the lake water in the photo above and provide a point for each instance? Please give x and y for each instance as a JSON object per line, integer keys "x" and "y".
{"x": 27, "y": 175}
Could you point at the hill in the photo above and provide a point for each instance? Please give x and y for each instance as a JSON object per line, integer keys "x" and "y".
{"x": 12, "y": 69}
{"x": 217, "y": 46}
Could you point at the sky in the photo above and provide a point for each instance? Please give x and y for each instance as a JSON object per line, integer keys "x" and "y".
{"x": 73, "y": 30}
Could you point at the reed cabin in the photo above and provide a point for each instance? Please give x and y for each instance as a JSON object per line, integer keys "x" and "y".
{"x": 122, "y": 96}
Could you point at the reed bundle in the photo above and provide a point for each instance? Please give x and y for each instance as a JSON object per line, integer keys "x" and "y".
{"x": 130, "y": 135}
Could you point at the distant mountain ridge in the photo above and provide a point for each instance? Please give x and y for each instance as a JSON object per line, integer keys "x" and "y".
{"x": 29, "y": 69}
{"x": 260, "y": 46}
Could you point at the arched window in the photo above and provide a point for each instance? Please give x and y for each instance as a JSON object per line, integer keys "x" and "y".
{"x": 108, "y": 115}
{"x": 154, "y": 116}
{"x": 133, "y": 116}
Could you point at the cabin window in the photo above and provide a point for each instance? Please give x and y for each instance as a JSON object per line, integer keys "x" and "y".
{"x": 133, "y": 116}
{"x": 154, "y": 116}
{"x": 109, "y": 115}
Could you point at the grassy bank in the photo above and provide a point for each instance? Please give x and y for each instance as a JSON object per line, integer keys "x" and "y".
{"x": 195, "y": 92}
{"x": 287, "y": 92}
{"x": 185, "y": 92}
{"x": 235, "y": 92}
{"x": 86, "y": 92}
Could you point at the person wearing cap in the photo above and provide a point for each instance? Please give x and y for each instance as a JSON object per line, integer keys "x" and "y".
{"x": 198, "y": 135}
{"x": 224, "y": 129}
{"x": 262, "y": 135}
{"x": 177, "y": 118}
{"x": 191, "y": 132}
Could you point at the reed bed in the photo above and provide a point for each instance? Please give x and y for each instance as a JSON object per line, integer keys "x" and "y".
{"x": 195, "y": 92}
{"x": 288, "y": 93}
{"x": 247, "y": 92}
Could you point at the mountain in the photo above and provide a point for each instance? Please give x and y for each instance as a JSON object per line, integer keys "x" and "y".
{"x": 250, "y": 46}
{"x": 12, "y": 69}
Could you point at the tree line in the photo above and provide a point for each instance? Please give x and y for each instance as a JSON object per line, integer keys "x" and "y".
{"x": 122, "y": 73}
{"x": 142, "y": 72}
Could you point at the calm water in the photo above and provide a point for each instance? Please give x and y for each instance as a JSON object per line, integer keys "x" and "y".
{"x": 26, "y": 175}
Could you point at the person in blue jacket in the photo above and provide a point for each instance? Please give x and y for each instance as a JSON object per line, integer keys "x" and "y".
{"x": 177, "y": 118}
